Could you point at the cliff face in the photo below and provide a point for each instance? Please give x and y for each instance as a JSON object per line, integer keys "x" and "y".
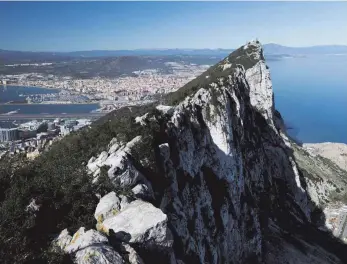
{"x": 221, "y": 170}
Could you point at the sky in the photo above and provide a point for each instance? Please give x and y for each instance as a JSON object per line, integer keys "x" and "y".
{"x": 72, "y": 26}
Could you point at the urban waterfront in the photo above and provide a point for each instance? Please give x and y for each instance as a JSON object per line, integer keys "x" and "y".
{"x": 48, "y": 108}
{"x": 19, "y": 93}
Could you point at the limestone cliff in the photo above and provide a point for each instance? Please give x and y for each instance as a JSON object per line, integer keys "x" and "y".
{"x": 213, "y": 177}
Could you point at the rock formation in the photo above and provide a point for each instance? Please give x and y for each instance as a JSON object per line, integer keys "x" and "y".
{"x": 214, "y": 179}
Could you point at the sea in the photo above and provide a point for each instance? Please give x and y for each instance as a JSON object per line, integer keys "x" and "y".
{"x": 310, "y": 93}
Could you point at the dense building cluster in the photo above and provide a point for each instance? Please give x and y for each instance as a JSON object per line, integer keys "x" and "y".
{"x": 336, "y": 221}
{"x": 33, "y": 137}
{"x": 137, "y": 86}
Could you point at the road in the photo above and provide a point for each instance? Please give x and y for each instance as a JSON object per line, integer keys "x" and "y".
{"x": 48, "y": 116}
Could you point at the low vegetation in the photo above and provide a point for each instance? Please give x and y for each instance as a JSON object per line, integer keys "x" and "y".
{"x": 61, "y": 186}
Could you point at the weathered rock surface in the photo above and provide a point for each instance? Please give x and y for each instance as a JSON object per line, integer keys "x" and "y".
{"x": 33, "y": 207}
{"x": 231, "y": 187}
{"x": 109, "y": 205}
{"x": 121, "y": 169}
{"x": 133, "y": 256}
{"x": 88, "y": 247}
{"x": 139, "y": 222}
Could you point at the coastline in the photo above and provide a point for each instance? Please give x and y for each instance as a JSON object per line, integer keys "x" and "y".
{"x": 52, "y": 103}
{"x": 31, "y": 86}
{"x": 57, "y": 90}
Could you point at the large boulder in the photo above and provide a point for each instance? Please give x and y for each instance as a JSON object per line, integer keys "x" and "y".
{"x": 88, "y": 247}
{"x": 139, "y": 222}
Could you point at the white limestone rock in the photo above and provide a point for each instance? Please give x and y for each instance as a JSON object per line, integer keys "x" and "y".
{"x": 63, "y": 240}
{"x": 98, "y": 255}
{"x": 91, "y": 247}
{"x": 140, "y": 222}
{"x": 95, "y": 164}
{"x": 33, "y": 207}
{"x": 108, "y": 205}
{"x": 133, "y": 256}
{"x": 142, "y": 191}
{"x": 114, "y": 145}
{"x": 82, "y": 239}
{"x": 165, "y": 109}
{"x": 125, "y": 201}
{"x": 121, "y": 170}
{"x": 226, "y": 66}
{"x": 141, "y": 119}
{"x": 261, "y": 95}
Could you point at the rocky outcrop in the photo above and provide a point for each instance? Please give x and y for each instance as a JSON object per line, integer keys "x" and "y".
{"x": 138, "y": 222}
{"x": 88, "y": 247}
{"x": 33, "y": 207}
{"x": 121, "y": 170}
{"x": 222, "y": 181}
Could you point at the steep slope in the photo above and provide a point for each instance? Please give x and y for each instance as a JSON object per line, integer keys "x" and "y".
{"x": 223, "y": 170}
{"x": 206, "y": 175}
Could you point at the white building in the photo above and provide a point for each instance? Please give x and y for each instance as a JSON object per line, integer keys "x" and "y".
{"x": 8, "y": 134}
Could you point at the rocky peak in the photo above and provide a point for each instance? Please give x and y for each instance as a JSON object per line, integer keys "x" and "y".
{"x": 213, "y": 163}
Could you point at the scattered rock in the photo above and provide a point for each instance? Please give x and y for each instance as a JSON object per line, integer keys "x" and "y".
{"x": 33, "y": 207}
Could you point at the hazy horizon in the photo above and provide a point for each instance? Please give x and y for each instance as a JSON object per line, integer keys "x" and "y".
{"x": 231, "y": 48}
{"x": 85, "y": 26}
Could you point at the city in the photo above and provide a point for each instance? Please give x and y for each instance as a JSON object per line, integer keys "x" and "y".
{"x": 141, "y": 84}
{"x": 33, "y": 136}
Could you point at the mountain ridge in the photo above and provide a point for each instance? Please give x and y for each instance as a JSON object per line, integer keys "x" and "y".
{"x": 270, "y": 48}
{"x": 212, "y": 164}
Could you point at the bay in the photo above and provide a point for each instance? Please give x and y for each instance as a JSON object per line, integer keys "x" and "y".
{"x": 311, "y": 94}
{"x": 12, "y": 93}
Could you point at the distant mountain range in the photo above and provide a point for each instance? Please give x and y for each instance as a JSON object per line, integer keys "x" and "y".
{"x": 313, "y": 50}
{"x": 9, "y": 56}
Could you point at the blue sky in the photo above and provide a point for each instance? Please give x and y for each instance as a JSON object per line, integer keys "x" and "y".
{"x": 70, "y": 26}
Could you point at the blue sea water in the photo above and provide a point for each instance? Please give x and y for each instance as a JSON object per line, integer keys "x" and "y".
{"x": 311, "y": 94}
